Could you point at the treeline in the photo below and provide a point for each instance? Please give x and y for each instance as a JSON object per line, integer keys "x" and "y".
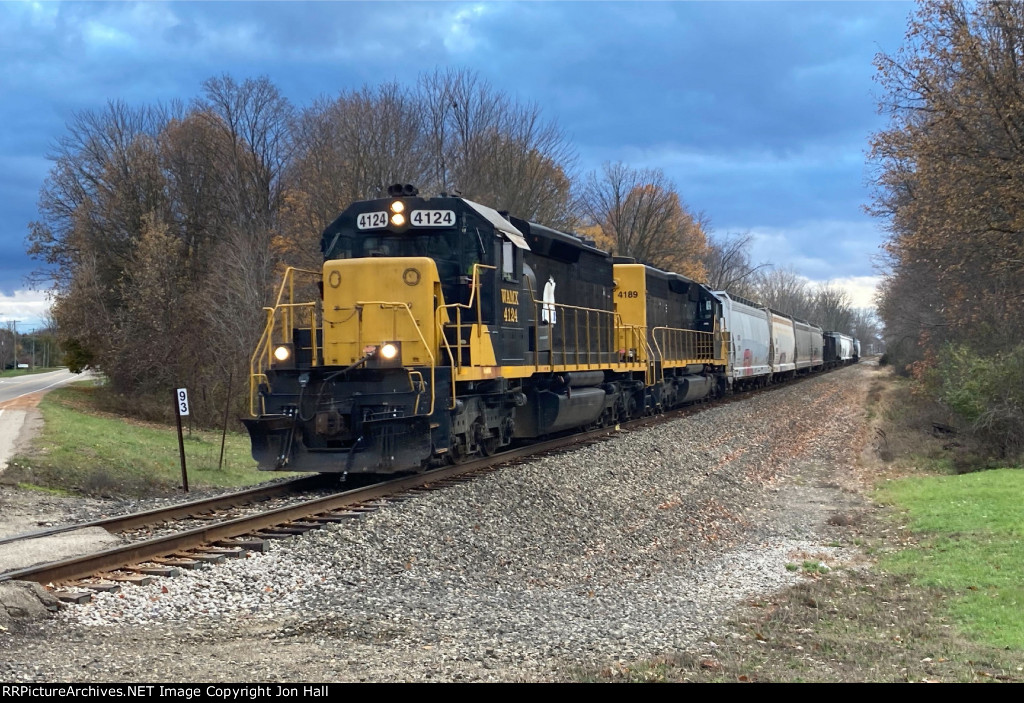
{"x": 27, "y": 350}
{"x": 164, "y": 227}
{"x": 950, "y": 188}
{"x": 824, "y": 304}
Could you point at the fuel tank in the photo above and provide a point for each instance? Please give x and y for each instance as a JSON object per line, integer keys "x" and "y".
{"x": 693, "y": 388}
{"x": 548, "y": 411}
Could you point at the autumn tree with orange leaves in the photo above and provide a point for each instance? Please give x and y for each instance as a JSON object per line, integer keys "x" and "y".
{"x": 950, "y": 189}
{"x": 164, "y": 229}
{"x": 638, "y": 213}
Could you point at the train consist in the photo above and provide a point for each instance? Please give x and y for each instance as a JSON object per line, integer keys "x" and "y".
{"x": 440, "y": 328}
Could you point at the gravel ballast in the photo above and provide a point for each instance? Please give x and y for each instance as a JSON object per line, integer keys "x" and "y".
{"x": 627, "y": 549}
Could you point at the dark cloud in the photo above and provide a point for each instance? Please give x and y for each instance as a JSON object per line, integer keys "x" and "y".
{"x": 758, "y": 111}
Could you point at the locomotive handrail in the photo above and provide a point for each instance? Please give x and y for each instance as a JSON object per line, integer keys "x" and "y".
{"x": 687, "y": 345}
{"x": 607, "y": 323}
{"x": 639, "y": 333}
{"x": 616, "y": 323}
{"x": 385, "y": 304}
{"x": 260, "y": 359}
{"x": 474, "y": 299}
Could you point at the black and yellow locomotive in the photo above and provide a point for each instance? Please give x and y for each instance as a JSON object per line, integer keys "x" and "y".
{"x": 444, "y": 329}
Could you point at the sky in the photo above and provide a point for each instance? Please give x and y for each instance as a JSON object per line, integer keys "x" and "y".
{"x": 760, "y": 113}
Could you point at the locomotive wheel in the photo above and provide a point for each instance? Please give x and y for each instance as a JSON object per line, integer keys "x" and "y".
{"x": 486, "y": 443}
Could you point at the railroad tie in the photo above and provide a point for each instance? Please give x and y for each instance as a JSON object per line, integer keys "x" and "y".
{"x": 250, "y": 544}
{"x": 73, "y": 597}
{"x": 167, "y": 571}
{"x": 134, "y": 580}
{"x": 226, "y": 552}
{"x": 101, "y": 587}
{"x": 177, "y": 561}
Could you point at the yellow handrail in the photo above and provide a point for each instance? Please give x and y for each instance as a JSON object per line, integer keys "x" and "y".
{"x": 259, "y": 362}
{"x": 474, "y": 300}
{"x": 675, "y": 344}
{"x": 386, "y": 304}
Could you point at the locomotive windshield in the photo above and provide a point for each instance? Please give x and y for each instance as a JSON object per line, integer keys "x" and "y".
{"x": 454, "y": 252}
{"x": 357, "y": 245}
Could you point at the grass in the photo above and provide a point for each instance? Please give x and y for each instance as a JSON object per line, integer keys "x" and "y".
{"x": 49, "y": 490}
{"x": 969, "y": 528}
{"x": 86, "y": 451}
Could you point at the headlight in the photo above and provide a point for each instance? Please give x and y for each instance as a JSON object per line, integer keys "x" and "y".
{"x": 389, "y": 351}
{"x": 282, "y": 353}
{"x": 398, "y": 206}
{"x": 398, "y": 219}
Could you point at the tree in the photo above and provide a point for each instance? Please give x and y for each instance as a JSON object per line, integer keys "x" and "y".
{"x": 156, "y": 226}
{"x": 786, "y": 291}
{"x": 350, "y": 148}
{"x": 490, "y": 148}
{"x": 950, "y": 183}
{"x": 951, "y": 191}
{"x": 105, "y": 181}
{"x": 8, "y": 345}
{"x": 253, "y": 122}
{"x": 728, "y": 265}
{"x": 832, "y": 309}
{"x": 640, "y": 215}
{"x": 865, "y": 327}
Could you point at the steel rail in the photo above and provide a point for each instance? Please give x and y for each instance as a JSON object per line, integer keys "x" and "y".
{"x": 131, "y": 521}
{"x": 167, "y": 546}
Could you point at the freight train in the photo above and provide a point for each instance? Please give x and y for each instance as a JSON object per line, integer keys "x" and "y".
{"x": 439, "y": 328}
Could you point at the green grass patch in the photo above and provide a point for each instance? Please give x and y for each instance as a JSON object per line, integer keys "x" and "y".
{"x": 49, "y": 490}
{"x": 970, "y": 530}
{"x": 86, "y": 451}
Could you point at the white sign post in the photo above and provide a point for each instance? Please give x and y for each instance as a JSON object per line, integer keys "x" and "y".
{"x": 181, "y": 408}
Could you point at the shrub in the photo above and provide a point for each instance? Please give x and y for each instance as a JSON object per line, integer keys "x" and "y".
{"x": 986, "y": 392}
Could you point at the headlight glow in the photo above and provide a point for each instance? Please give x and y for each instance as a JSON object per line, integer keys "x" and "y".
{"x": 398, "y": 219}
{"x": 389, "y": 351}
{"x": 398, "y": 206}
{"x": 282, "y": 353}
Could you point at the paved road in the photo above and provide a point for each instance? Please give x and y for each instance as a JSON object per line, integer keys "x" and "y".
{"x": 18, "y": 386}
{"x": 16, "y": 398}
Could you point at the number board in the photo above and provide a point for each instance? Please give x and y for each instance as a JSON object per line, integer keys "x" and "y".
{"x": 372, "y": 220}
{"x": 182, "y": 397}
{"x": 432, "y": 218}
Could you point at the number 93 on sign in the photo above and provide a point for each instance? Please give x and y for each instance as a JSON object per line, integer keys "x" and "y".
{"x": 181, "y": 397}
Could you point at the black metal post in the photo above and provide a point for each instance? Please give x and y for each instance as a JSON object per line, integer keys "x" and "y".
{"x": 181, "y": 443}
{"x": 224, "y": 432}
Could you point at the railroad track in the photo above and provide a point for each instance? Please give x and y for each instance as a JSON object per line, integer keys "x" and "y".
{"x": 139, "y": 562}
{"x": 216, "y": 540}
{"x": 190, "y": 509}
